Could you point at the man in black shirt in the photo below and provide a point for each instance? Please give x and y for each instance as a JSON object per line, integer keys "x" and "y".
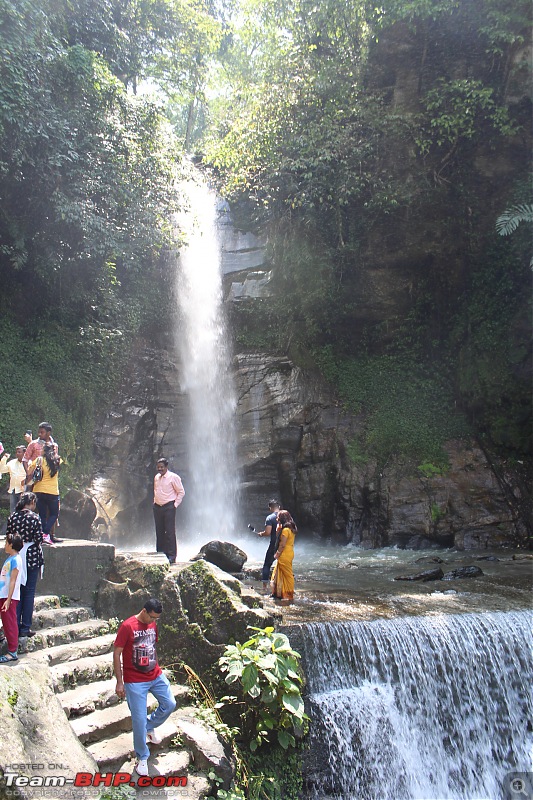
{"x": 271, "y": 524}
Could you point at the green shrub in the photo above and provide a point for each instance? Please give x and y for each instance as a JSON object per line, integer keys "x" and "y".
{"x": 266, "y": 669}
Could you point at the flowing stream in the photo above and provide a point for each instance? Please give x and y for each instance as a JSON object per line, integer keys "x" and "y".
{"x": 206, "y": 374}
{"x": 418, "y": 708}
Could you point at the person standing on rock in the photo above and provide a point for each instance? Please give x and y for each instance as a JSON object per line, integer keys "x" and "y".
{"x": 271, "y": 525}
{"x": 168, "y": 494}
{"x": 137, "y": 673}
{"x": 27, "y": 524}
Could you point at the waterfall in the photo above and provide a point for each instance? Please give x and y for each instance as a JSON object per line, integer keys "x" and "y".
{"x": 420, "y": 708}
{"x": 212, "y": 482}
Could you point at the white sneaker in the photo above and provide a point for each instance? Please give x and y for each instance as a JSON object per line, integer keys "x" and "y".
{"x": 154, "y": 737}
{"x": 141, "y": 767}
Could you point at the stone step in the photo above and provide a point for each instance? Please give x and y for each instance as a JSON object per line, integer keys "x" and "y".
{"x": 117, "y": 718}
{"x": 112, "y": 753}
{"x": 69, "y": 674}
{"x": 88, "y": 697}
{"x": 170, "y": 763}
{"x": 80, "y": 648}
{"x": 46, "y": 601}
{"x": 59, "y": 617}
{"x": 65, "y": 636}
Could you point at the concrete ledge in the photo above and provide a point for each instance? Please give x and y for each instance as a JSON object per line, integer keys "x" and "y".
{"x": 75, "y": 568}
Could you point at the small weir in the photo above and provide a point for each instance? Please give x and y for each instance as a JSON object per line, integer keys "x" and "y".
{"x": 418, "y": 708}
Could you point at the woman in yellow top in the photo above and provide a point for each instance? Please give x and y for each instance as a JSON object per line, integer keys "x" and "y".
{"x": 47, "y": 490}
{"x": 282, "y": 583}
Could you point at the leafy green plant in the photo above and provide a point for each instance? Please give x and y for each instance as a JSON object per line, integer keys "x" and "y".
{"x": 267, "y": 670}
{"x": 429, "y": 470}
{"x": 511, "y": 218}
{"x": 437, "y": 513}
{"x": 64, "y": 601}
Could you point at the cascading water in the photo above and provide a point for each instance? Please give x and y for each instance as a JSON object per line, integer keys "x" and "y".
{"x": 419, "y": 708}
{"x": 211, "y": 490}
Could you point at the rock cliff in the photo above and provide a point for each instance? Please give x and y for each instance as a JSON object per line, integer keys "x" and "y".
{"x": 292, "y": 442}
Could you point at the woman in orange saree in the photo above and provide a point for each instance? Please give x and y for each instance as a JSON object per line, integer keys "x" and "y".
{"x": 282, "y": 583}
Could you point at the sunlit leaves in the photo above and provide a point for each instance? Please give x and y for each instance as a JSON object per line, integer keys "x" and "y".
{"x": 267, "y": 669}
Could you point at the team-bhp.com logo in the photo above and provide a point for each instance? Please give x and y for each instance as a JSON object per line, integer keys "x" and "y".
{"x": 15, "y": 779}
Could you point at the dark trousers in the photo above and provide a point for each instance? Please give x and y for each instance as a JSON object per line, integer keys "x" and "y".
{"x": 48, "y": 508}
{"x": 269, "y": 558}
{"x": 27, "y": 598}
{"x": 165, "y": 530}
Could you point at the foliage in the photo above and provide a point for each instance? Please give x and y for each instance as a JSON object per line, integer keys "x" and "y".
{"x": 266, "y": 669}
{"x": 458, "y": 111}
{"x": 493, "y": 353}
{"x": 408, "y": 407}
{"x": 512, "y": 217}
{"x": 429, "y": 470}
{"x": 88, "y": 176}
{"x": 365, "y": 139}
{"x": 245, "y": 784}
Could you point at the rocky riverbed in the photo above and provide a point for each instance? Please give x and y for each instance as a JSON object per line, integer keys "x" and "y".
{"x": 339, "y": 583}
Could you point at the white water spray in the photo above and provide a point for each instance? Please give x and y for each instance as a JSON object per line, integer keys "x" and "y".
{"x": 421, "y": 708}
{"x": 211, "y": 493}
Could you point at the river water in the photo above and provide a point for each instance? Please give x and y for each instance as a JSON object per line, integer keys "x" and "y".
{"x": 416, "y": 691}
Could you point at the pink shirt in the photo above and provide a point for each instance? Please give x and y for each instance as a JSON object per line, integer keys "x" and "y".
{"x": 35, "y": 449}
{"x": 168, "y": 488}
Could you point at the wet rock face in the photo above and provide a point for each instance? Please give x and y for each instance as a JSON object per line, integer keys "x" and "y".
{"x": 292, "y": 444}
{"x": 145, "y": 421}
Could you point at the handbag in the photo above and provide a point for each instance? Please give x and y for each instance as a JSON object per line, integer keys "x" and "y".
{"x": 37, "y": 472}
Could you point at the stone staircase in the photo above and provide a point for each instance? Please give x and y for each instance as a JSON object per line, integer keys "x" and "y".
{"x": 77, "y": 649}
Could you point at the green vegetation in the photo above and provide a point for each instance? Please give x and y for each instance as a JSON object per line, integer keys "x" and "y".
{"x": 12, "y": 697}
{"x": 88, "y": 174}
{"x": 409, "y": 407}
{"x": 361, "y": 163}
{"x": 269, "y": 712}
{"x": 380, "y": 148}
{"x": 266, "y": 669}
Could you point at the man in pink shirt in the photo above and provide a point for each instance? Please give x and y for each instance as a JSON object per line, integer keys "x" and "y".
{"x": 168, "y": 494}
{"x": 35, "y": 447}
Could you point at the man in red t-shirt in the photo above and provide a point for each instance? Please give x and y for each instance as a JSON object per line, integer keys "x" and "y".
{"x": 137, "y": 673}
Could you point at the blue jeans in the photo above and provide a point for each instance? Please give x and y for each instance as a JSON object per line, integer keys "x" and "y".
{"x": 27, "y": 597}
{"x": 136, "y": 695}
{"x": 48, "y": 508}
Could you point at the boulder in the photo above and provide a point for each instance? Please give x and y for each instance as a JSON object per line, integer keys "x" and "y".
{"x": 216, "y": 607}
{"x": 78, "y": 512}
{"x": 429, "y": 560}
{"x": 463, "y": 572}
{"x": 224, "y": 555}
{"x": 36, "y": 738}
{"x": 208, "y": 751}
{"x": 428, "y": 575}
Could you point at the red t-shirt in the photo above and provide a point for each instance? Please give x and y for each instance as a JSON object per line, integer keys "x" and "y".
{"x": 139, "y": 656}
